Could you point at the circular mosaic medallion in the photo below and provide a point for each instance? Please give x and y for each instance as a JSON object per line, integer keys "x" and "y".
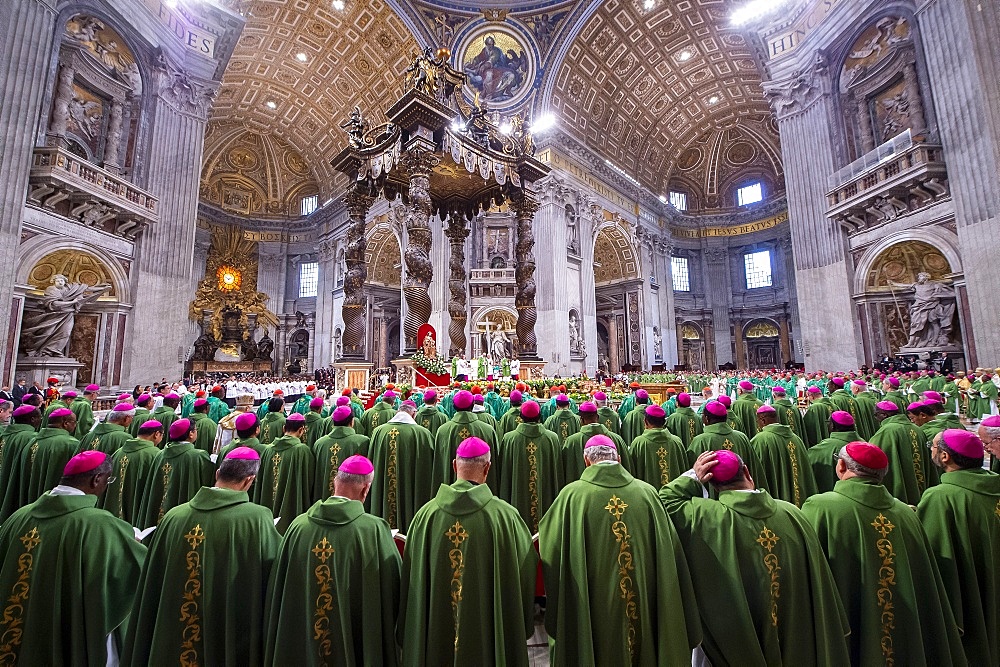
{"x": 500, "y": 64}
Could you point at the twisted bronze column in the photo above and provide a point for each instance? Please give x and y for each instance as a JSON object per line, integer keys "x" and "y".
{"x": 457, "y": 232}
{"x": 524, "y": 274}
{"x": 355, "y": 300}
{"x": 419, "y": 269}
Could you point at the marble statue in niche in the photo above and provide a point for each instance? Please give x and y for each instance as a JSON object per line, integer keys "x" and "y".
{"x": 931, "y": 312}
{"x": 46, "y": 332}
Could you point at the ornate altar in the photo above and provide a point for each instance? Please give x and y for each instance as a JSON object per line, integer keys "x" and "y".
{"x": 442, "y": 156}
{"x": 230, "y": 310}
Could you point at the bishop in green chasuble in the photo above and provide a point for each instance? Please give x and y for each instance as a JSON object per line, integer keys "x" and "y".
{"x": 201, "y": 596}
{"x": 334, "y": 448}
{"x": 110, "y": 435}
{"x": 783, "y": 458}
{"x": 287, "y": 476}
{"x": 41, "y": 463}
{"x": 531, "y": 460}
{"x": 764, "y": 590}
{"x": 684, "y": 422}
{"x": 68, "y": 572}
{"x": 176, "y": 474}
{"x": 131, "y": 465}
{"x": 824, "y": 456}
{"x": 463, "y": 424}
{"x": 718, "y": 435}
{"x": 15, "y": 439}
{"x": 961, "y": 517}
{"x": 910, "y": 468}
{"x": 572, "y": 450}
{"x": 657, "y": 455}
{"x": 563, "y": 422}
{"x": 334, "y": 594}
{"x": 884, "y": 568}
{"x": 617, "y": 584}
{"x": 468, "y": 577}
{"x": 402, "y": 452}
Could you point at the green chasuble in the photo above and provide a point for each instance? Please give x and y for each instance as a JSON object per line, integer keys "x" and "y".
{"x": 15, "y": 439}
{"x": 941, "y": 422}
{"x": 286, "y": 479}
{"x": 487, "y": 418}
{"x": 200, "y": 599}
{"x": 65, "y": 403}
{"x": 634, "y": 423}
{"x": 563, "y": 423}
{"x": 403, "y": 455}
{"x": 468, "y": 581}
{"x": 531, "y": 460}
{"x": 316, "y": 427}
{"x": 617, "y": 584}
{"x": 462, "y": 425}
{"x": 336, "y": 446}
{"x": 187, "y": 404}
{"x": 843, "y": 400}
{"x": 131, "y": 465}
{"x": 864, "y": 421}
{"x": 685, "y": 424}
{"x": 68, "y": 577}
{"x": 165, "y": 415}
{"x": 658, "y": 456}
{"x": 494, "y": 403}
{"x": 822, "y": 458}
{"x": 431, "y": 418}
{"x": 302, "y": 404}
{"x": 206, "y": 430}
{"x": 373, "y": 417}
{"x": 572, "y": 451}
{"x": 888, "y": 580}
{"x": 786, "y": 464}
{"x": 790, "y": 416}
{"x": 609, "y": 419}
{"x": 252, "y": 443}
{"x": 105, "y": 437}
{"x": 43, "y": 461}
{"x": 141, "y": 417}
{"x": 720, "y": 436}
{"x": 765, "y": 592}
{"x": 911, "y": 470}
{"x": 508, "y": 422}
{"x": 988, "y": 393}
{"x": 745, "y": 410}
{"x": 817, "y": 423}
{"x": 961, "y": 517}
{"x": 626, "y": 405}
{"x": 177, "y": 473}
{"x": 951, "y": 395}
{"x": 272, "y": 427}
{"x": 334, "y": 595}
{"x": 896, "y": 397}
{"x": 84, "y": 416}
{"x": 217, "y": 409}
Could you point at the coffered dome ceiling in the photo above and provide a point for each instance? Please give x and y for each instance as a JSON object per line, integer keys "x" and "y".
{"x": 646, "y": 89}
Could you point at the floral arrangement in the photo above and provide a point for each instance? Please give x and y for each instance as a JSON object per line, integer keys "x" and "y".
{"x": 435, "y": 365}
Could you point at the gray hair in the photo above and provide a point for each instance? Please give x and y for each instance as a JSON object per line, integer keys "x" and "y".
{"x": 992, "y": 431}
{"x": 348, "y": 479}
{"x": 860, "y": 470}
{"x": 408, "y": 409}
{"x": 237, "y": 470}
{"x": 600, "y": 453}
{"x": 476, "y": 461}
{"x": 6, "y": 405}
{"x": 119, "y": 416}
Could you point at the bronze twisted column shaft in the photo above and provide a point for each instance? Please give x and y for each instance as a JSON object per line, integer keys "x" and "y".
{"x": 524, "y": 274}
{"x": 457, "y": 232}
{"x": 355, "y": 300}
{"x": 419, "y": 268}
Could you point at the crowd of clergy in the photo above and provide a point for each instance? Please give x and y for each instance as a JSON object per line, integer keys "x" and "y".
{"x": 858, "y": 525}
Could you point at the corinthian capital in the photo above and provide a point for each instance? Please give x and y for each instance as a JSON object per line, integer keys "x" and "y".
{"x": 800, "y": 91}
{"x": 185, "y": 93}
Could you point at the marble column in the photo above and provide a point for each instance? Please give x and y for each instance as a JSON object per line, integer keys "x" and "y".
{"x": 614, "y": 363}
{"x": 741, "y": 351}
{"x": 805, "y": 113}
{"x": 112, "y": 149}
{"x": 785, "y": 343}
{"x": 60, "y": 105}
{"x": 323, "y": 346}
{"x": 419, "y": 268}
{"x": 26, "y": 30}
{"x": 718, "y": 291}
{"x": 671, "y": 336}
{"x": 457, "y": 231}
{"x": 552, "y": 302}
{"x": 588, "y": 290}
{"x": 525, "y": 207}
{"x": 160, "y": 326}
{"x": 962, "y": 54}
{"x": 355, "y": 300}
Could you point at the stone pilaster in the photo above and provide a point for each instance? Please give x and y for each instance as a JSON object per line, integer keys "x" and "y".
{"x": 718, "y": 290}
{"x": 552, "y": 302}
{"x": 804, "y": 109}
{"x": 963, "y": 62}
{"x": 668, "y": 332}
{"x": 323, "y": 347}
{"x": 160, "y": 327}
{"x": 26, "y": 30}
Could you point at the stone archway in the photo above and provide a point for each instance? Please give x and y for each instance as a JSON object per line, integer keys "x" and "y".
{"x": 762, "y": 341}
{"x": 488, "y": 321}
{"x": 692, "y": 346}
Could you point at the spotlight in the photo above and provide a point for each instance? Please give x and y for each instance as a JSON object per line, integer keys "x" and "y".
{"x": 271, "y": 105}
{"x": 543, "y": 123}
{"x": 301, "y": 57}
{"x": 338, "y": 5}
{"x": 684, "y": 56}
